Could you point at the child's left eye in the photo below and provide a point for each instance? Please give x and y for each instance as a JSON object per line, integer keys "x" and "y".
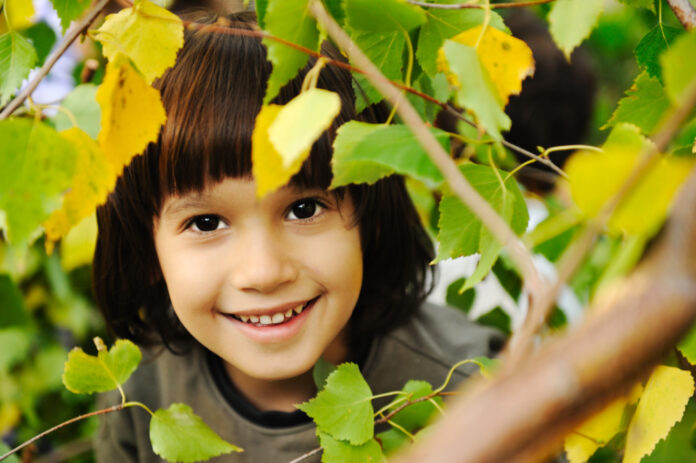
{"x": 304, "y": 209}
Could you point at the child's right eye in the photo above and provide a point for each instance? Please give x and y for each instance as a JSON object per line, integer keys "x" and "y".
{"x": 206, "y": 223}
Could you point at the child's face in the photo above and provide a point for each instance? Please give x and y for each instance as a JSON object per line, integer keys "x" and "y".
{"x": 230, "y": 260}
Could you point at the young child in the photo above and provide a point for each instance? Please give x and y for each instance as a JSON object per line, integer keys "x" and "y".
{"x": 245, "y": 295}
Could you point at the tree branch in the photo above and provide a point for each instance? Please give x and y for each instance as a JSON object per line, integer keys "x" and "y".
{"x": 492, "y": 6}
{"x": 459, "y": 185}
{"x": 685, "y": 12}
{"x": 64, "y": 45}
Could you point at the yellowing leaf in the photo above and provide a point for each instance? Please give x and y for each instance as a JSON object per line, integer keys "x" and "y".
{"x": 662, "y": 405}
{"x": 597, "y": 177}
{"x": 148, "y": 34}
{"x": 598, "y": 430}
{"x": 10, "y": 414}
{"x": 94, "y": 178}
{"x": 132, "y": 114}
{"x": 266, "y": 163}
{"x": 19, "y": 13}
{"x": 77, "y": 247}
{"x": 507, "y": 59}
{"x": 299, "y": 123}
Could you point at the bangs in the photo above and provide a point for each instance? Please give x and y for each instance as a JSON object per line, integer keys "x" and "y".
{"x": 212, "y": 97}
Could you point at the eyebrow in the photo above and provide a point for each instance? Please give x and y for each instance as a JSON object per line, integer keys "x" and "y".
{"x": 190, "y": 201}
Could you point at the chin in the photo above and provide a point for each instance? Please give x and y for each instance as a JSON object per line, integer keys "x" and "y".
{"x": 279, "y": 372}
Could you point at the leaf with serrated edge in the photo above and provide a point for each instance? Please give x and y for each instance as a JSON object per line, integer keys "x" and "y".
{"x": 36, "y": 167}
{"x": 339, "y": 451}
{"x": 178, "y": 434}
{"x": 385, "y": 50}
{"x": 364, "y": 153}
{"x": 132, "y": 114}
{"x": 17, "y": 58}
{"x": 148, "y": 34}
{"x": 68, "y": 10}
{"x": 679, "y": 67}
{"x": 87, "y": 374}
{"x": 644, "y": 105}
{"x": 343, "y": 409}
{"x": 382, "y": 16}
{"x": 651, "y": 46}
{"x": 292, "y": 21}
{"x": 417, "y": 415}
{"x": 571, "y": 22}
{"x": 661, "y": 406}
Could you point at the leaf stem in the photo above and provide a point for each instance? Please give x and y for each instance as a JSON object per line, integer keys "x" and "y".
{"x": 63, "y": 424}
{"x": 402, "y": 429}
{"x": 450, "y": 373}
{"x": 67, "y": 41}
{"x": 494, "y": 6}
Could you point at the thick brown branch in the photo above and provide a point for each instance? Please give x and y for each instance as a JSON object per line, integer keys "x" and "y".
{"x": 685, "y": 12}
{"x": 492, "y": 6}
{"x": 73, "y": 34}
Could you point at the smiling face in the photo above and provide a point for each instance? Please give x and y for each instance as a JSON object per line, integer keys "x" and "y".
{"x": 268, "y": 285}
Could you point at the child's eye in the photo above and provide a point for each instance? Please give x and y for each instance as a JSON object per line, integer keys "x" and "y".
{"x": 304, "y": 209}
{"x": 206, "y": 223}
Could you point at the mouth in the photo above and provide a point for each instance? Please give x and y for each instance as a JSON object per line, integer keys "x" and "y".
{"x": 274, "y": 319}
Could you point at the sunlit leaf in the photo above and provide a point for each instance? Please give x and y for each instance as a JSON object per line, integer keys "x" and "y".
{"x": 148, "y": 34}
{"x": 343, "y": 409}
{"x": 289, "y": 20}
{"x": 648, "y": 203}
{"x": 644, "y": 105}
{"x": 82, "y": 104}
{"x": 178, "y": 434}
{"x": 17, "y": 58}
{"x": 340, "y": 451}
{"x": 19, "y": 12}
{"x": 132, "y": 114}
{"x": 36, "y": 167}
{"x": 93, "y": 180}
{"x": 87, "y": 374}
{"x": 417, "y": 415}
{"x": 77, "y": 247}
{"x": 679, "y": 443}
{"x": 571, "y": 22}
{"x": 382, "y": 16}
{"x": 3, "y": 447}
{"x": 654, "y": 43}
{"x": 507, "y": 60}
{"x": 662, "y": 405}
{"x": 679, "y": 67}
{"x": 69, "y": 10}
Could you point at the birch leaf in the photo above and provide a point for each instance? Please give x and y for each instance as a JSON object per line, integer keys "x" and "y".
{"x": 69, "y": 10}
{"x": 20, "y": 13}
{"x": 571, "y": 22}
{"x": 87, "y": 374}
{"x": 17, "y": 58}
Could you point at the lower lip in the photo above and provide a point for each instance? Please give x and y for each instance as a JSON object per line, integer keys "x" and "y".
{"x": 274, "y": 333}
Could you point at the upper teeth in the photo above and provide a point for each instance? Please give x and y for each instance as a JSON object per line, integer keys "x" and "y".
{"x": 272, "y": 319}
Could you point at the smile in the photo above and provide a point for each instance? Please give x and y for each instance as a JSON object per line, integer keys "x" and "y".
{"x": 276, "y": 318}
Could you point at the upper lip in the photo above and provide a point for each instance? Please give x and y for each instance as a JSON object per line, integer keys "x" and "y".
{"x": 271, "y": 310}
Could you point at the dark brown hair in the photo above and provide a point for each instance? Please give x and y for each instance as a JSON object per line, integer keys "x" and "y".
{"x": 212, "y": 96}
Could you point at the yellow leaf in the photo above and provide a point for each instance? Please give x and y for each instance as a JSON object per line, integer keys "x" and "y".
{"x": 300, "y": 122}
{"x": 661, "y": 406}
{"x": 77, "y": 247}
{"x": 266, "y": 163}
{"x": 598, "y": 430}
{"x": 597, "y": 177}
{"x": 10, "y": 415}
{"x": 148, "y": 34}
{"x": 93, "y": 180}
{"x": 19, "y": 12}
{"x": 132, "y": 114}
{"x": 507, "y": 60}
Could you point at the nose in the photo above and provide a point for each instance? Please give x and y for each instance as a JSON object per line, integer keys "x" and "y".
{"x": 262, "y": 262}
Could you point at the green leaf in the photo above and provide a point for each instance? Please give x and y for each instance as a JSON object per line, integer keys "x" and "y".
{"x": 461, "y": 300}
{"x": 441, "y": 25}
{"x": 335, "y": 7}
{"x": 12, "y": 310}
{"x": 385, "y": 50}
{"x": 261, "y": 7}
{"x": 687, "y": 346}
{"x": 647, "y": 4}
{"x": 289, "y": 20}
{"x": 82, "y": 103}
{"x": 644, "y": 105}
{"x": 571, "y": 22}
{"x": 392, "y": 440}
{"x": 87, "y": 374}
{"x": 4, "y": 449}
{"x": 508, "y": 278}
{"x": 418, "y": 415}
{"x": 17, "y": 58}
{"x": 343, "y": 409}
{"x": 496, "y": 318}
{"x": 339, "y": 451}
{"x": 651, "y": 46}
{"x": 460, "y": 230}
{"x": 367, "y": 152}
{"x": 679, "y": 445}
{"x": 16, "y": 343}
{"x": 382, "y": 16}
{"x": 321, "y": 371}
{"x": 476, "y": 91}
{"x": 42, "y": 37}
{"x": 69, "y": 10}
{"x": 36, "y": 166}
{"x": 679, "y": 67}
{"x": 178, "y": 434}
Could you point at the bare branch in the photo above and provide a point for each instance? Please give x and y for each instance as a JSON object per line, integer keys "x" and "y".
{"x": 459, "y": 185}
{"x": 685, "y": 12}
{"x": 75, "y": 32}
{"x": 492, "y": 6}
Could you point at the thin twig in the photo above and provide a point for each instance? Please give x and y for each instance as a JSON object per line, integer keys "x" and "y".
{"x": 459, "y": 185}
{"x": 492, "y": 6}
{"x": 685, "y": 12}
{"x": 60, "y": 425}
{"x": 67, "y": 41}
{"x": 521, "y": 342}
{"x": 306, "y": 455}
{"x": 391, "y": 414}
